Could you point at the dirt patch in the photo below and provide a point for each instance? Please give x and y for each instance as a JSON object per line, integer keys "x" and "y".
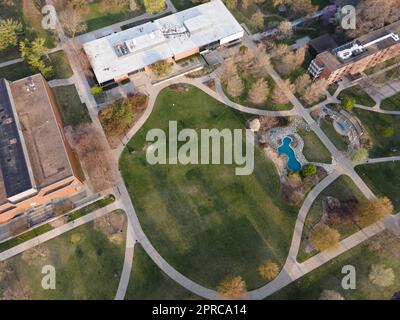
{"x": 91, "y": 148}
{"x": 35, "y": 255}
{"x": 111, "y": 224}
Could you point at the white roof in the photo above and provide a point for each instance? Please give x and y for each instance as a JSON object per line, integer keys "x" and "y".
{"x": 135, "y": 48}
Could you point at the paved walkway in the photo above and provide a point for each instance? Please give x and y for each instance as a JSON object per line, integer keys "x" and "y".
{"x": 58, "y": 231}
{"x": 11, "y": 62}
{"x": 128, "y": 261}
{"x": 292, "y": 269}
{"x": 61, "y": 82}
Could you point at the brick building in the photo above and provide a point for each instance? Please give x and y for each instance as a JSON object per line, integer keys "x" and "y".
{"x": 37, "y": 165}
{"x": 358, "y": 55}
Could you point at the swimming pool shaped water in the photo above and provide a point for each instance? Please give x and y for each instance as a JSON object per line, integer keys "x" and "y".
{"x": 286, "y": 149}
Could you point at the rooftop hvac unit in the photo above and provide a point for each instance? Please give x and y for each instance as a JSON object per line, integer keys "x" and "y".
{"x": 30, "y": 85}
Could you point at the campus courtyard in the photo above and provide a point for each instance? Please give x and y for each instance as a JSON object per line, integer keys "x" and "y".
{"x": 205, "y": 221}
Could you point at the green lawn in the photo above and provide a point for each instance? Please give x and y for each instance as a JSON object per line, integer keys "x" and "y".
{"x": 383, "y": 179}
{"x": 359, "y": 94}
{"x": 374, "y": 122}
{"x": 204, "y": 220}
{"x": 314, "y": 150}
{"x": 16, "y": 71}
{"x": 62, "y": 69}
{"x": 98, "y": 17}
{"x": 88, "y": 262}
{"x": 47, "y": 227}
{"x": 148, "y": 282}
{"x": 391, "y": 103}
{"x": 343, "y": 188}
{"x": 73, "y": 112}
{"x": 22, "y": 69}
{"x": 337, "y": 139}
{"x": 332, "y": 88}
{"x": 91, "y": 207}
{"x": 28, "y": 13}
{"x": 381, "y": 249}
{"x": 182, "y": 4}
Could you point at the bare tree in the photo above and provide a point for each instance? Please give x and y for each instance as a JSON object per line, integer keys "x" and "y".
{"x": 284, "y": 30}
{"x": 315, "y": 91}
{"x": 278, "y": 96}
{"x": 72, "y": 22}
{"x": 302, "y": 84}
{"x": 259, "y": 91}
{"x": 235, "y": 86}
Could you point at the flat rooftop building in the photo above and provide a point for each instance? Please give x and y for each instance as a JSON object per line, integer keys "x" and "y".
{"x": 179, "y": 35}
{"x": 357, "y": 55}
{"x": 36, "y": 163}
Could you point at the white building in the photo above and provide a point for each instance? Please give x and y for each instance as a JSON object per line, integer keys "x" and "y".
{"x": 179, "y": 35}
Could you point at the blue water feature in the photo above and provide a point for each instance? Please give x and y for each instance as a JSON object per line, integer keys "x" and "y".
{"x": 286, "y": 149}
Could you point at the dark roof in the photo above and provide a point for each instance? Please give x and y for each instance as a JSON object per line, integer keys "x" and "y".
{"x": 323, "y": 43}
{"x": 12, "y": 161}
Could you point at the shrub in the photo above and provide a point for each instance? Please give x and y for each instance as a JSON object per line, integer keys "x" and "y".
{"x": 232, "y": 288}
{"x": 348, "y": 103}
{"x": 381, "y": 276}
{"x": 325, "y": 238}
{"x": 371, "y": 211}
{"x": 387, "y": 132}
{"x": 96, "y": 90}
{"x": 308, "y": 170}
{"x": 359, "y": 155}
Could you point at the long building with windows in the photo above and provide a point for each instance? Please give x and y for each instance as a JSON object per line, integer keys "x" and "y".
{"x": 117, "y": 56}
{"x": 357, "y": 55}
{"x": 37, "y": 165}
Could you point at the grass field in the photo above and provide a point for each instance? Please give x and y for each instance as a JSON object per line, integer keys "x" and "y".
{"x": 314, "y": 150}
{"x": 62, "y": 69}
{"x": 27, "y": 12}
{"x": 381, "y": 249}
{"x": 16, "y": 71}
{"x": 182, "y": 4}
{"x": 203, "y": 219}
{"x": 337, "y": 139}
{"x": 148, "y": 282}
{"x": 88, "y": 262}
{"x": 73, "y": 112}
{"x": 359, "y": 94}
{"x": 23, "y": 237}
{"x": 332, "y": 88}
{"x": 99, "y": 16}
{"x": 383, "y": 179}
{"x": 391, "y": 103}
{"x": 22, "y": 69}
{"x": 374, "y": 122}
{"x": 343, "y": 188}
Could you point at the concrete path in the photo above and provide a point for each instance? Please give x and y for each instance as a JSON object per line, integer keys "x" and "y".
{"x": 58, "y": 231}
{"x": 128, "y": 261}
{"x": 11, "y": 62}
{"x": 378, "y": 109}
{"x": 61, "y": 82}
{"x": 380, "y": 160}
{"x": 292, "y": 269}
